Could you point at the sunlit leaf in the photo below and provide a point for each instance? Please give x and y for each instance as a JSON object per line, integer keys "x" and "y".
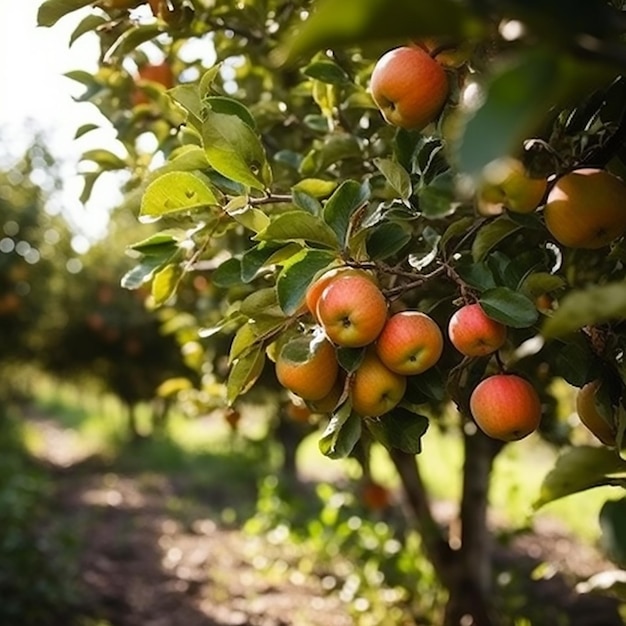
{"x": 165, "y": 282}
{"x": 579, "y": 469}
{"x": 244, "y": 373}
{"x": 235, "y": 150}
{"x": 299, "y": 226}
{"x": 594, "y": 305}
{"x": 177, "y": 191}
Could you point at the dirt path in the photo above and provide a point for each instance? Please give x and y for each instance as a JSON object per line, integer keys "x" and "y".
{"x": 142, "y": 563}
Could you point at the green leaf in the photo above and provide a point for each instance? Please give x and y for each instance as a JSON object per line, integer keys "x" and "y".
{"x": 491, "y": 235}
{"x": 386, "y": 239}
{"x": 594, "y": 305}
{"x": 399, "y": 429}
{"x": 613, "y": 525}
{"x": 251, "y": 333}
{"x": 86, "y": 25}
{"x": 350, "y": 358}
{"x": 84, "y": 129}
{"x": 262, "y": 303}
{"x": 397, "y": 177}
{"x": 573, "y": 362}
{"x": 579, "y": 469}
{"x": 297, "y": 275}
{"x": 299, "y": 226}
{"x": 132, "y": 38}
{"x": 509, "y": 307}
{"x": 341, "y": 434}
{"x": 327, "y": 72}
{"x": 341, "y": 24}
{"x": 189, "y": 98}
{"x": 143, "y": 272}
{"x": 255, "y": 259}
{"x": 165, "y": 282}
{"x": 244, "y": 373}
{"x": 306, "y": 202}
{"x": 228, "y": 274}
{"x": 155, "y": 244}
{"x": 438, "y": 198}
{"x": 538, "y": 283}
{"x": 177, "y": 191}
{"x": 339, "y": 208}
{"x": 458, "y": 228}
{"x": 235, "y": 151}
{"x": 316, "y": 187}
{"x": 240, "y": 210}
{"x": 229, "y": 106}
{"x": 51, "y": 11}
{"x": 106, "y": 159}
{"x": 337, "y": 147}
{"x": 207, "y": 80}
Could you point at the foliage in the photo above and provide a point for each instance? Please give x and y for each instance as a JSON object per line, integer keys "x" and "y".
{"x": 270, "y": 164}
{"x": 37, "y": 578}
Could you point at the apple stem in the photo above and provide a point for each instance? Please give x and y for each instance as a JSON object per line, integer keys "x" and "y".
{"x": 501, "y": 366}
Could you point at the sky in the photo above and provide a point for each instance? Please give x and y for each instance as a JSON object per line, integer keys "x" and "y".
{"x": 35, "y": 96}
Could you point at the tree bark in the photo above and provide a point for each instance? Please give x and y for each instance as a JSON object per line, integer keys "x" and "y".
{"x": 436, "y": 546}
{"x": 472, "y": 589}
{"x": 466, "y": 573}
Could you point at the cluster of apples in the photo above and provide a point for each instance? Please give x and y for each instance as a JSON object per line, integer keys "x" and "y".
{"x": 352, "y": 312}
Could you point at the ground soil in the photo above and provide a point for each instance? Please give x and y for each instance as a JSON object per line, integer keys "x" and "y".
{"x": 140, "y": 565}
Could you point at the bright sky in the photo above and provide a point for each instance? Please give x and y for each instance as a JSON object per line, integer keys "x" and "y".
{"x": 35, "y": 96}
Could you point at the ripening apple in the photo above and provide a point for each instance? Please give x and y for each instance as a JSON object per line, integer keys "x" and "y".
{"x": 317, "y": 287}
{"x": 473, "y": 333}
{"x": 375, "y": 388}
{"x": 410, "y": 343}
{"x": 507, "y": 184}
{"x": 352, "y": 310}
{"x": 409, "y": 87}
{"x": 307, "y": 367}
{"x": 591, "y": 417}
{"x": 506, "y": 407}
{"x": 586, "y": 208}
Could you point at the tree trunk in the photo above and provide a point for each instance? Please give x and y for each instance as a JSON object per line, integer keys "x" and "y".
{"x": 471, "y": 593}
{"x": 465, "y": 573}
{"x": 436, "y": 546}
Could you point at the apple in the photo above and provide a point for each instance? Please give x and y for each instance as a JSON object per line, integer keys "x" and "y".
{"x": 409, "y": 87}
{"x": 308, "y": 367}
{"x": 352, "y": 311}
{"x": 586, "y": 209}
{"x": 316, "y": 288}
{"x": 505, "y": 183}
{"x": 475, "y": 334}
{"x": 506, "y": 407}
{"x": 375, "y": 388}
{"x": 591, "y": 417}
{"x": 410, "y": 343}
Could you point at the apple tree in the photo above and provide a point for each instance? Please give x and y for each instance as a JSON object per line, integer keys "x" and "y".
{"x": 260, "y": 150}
